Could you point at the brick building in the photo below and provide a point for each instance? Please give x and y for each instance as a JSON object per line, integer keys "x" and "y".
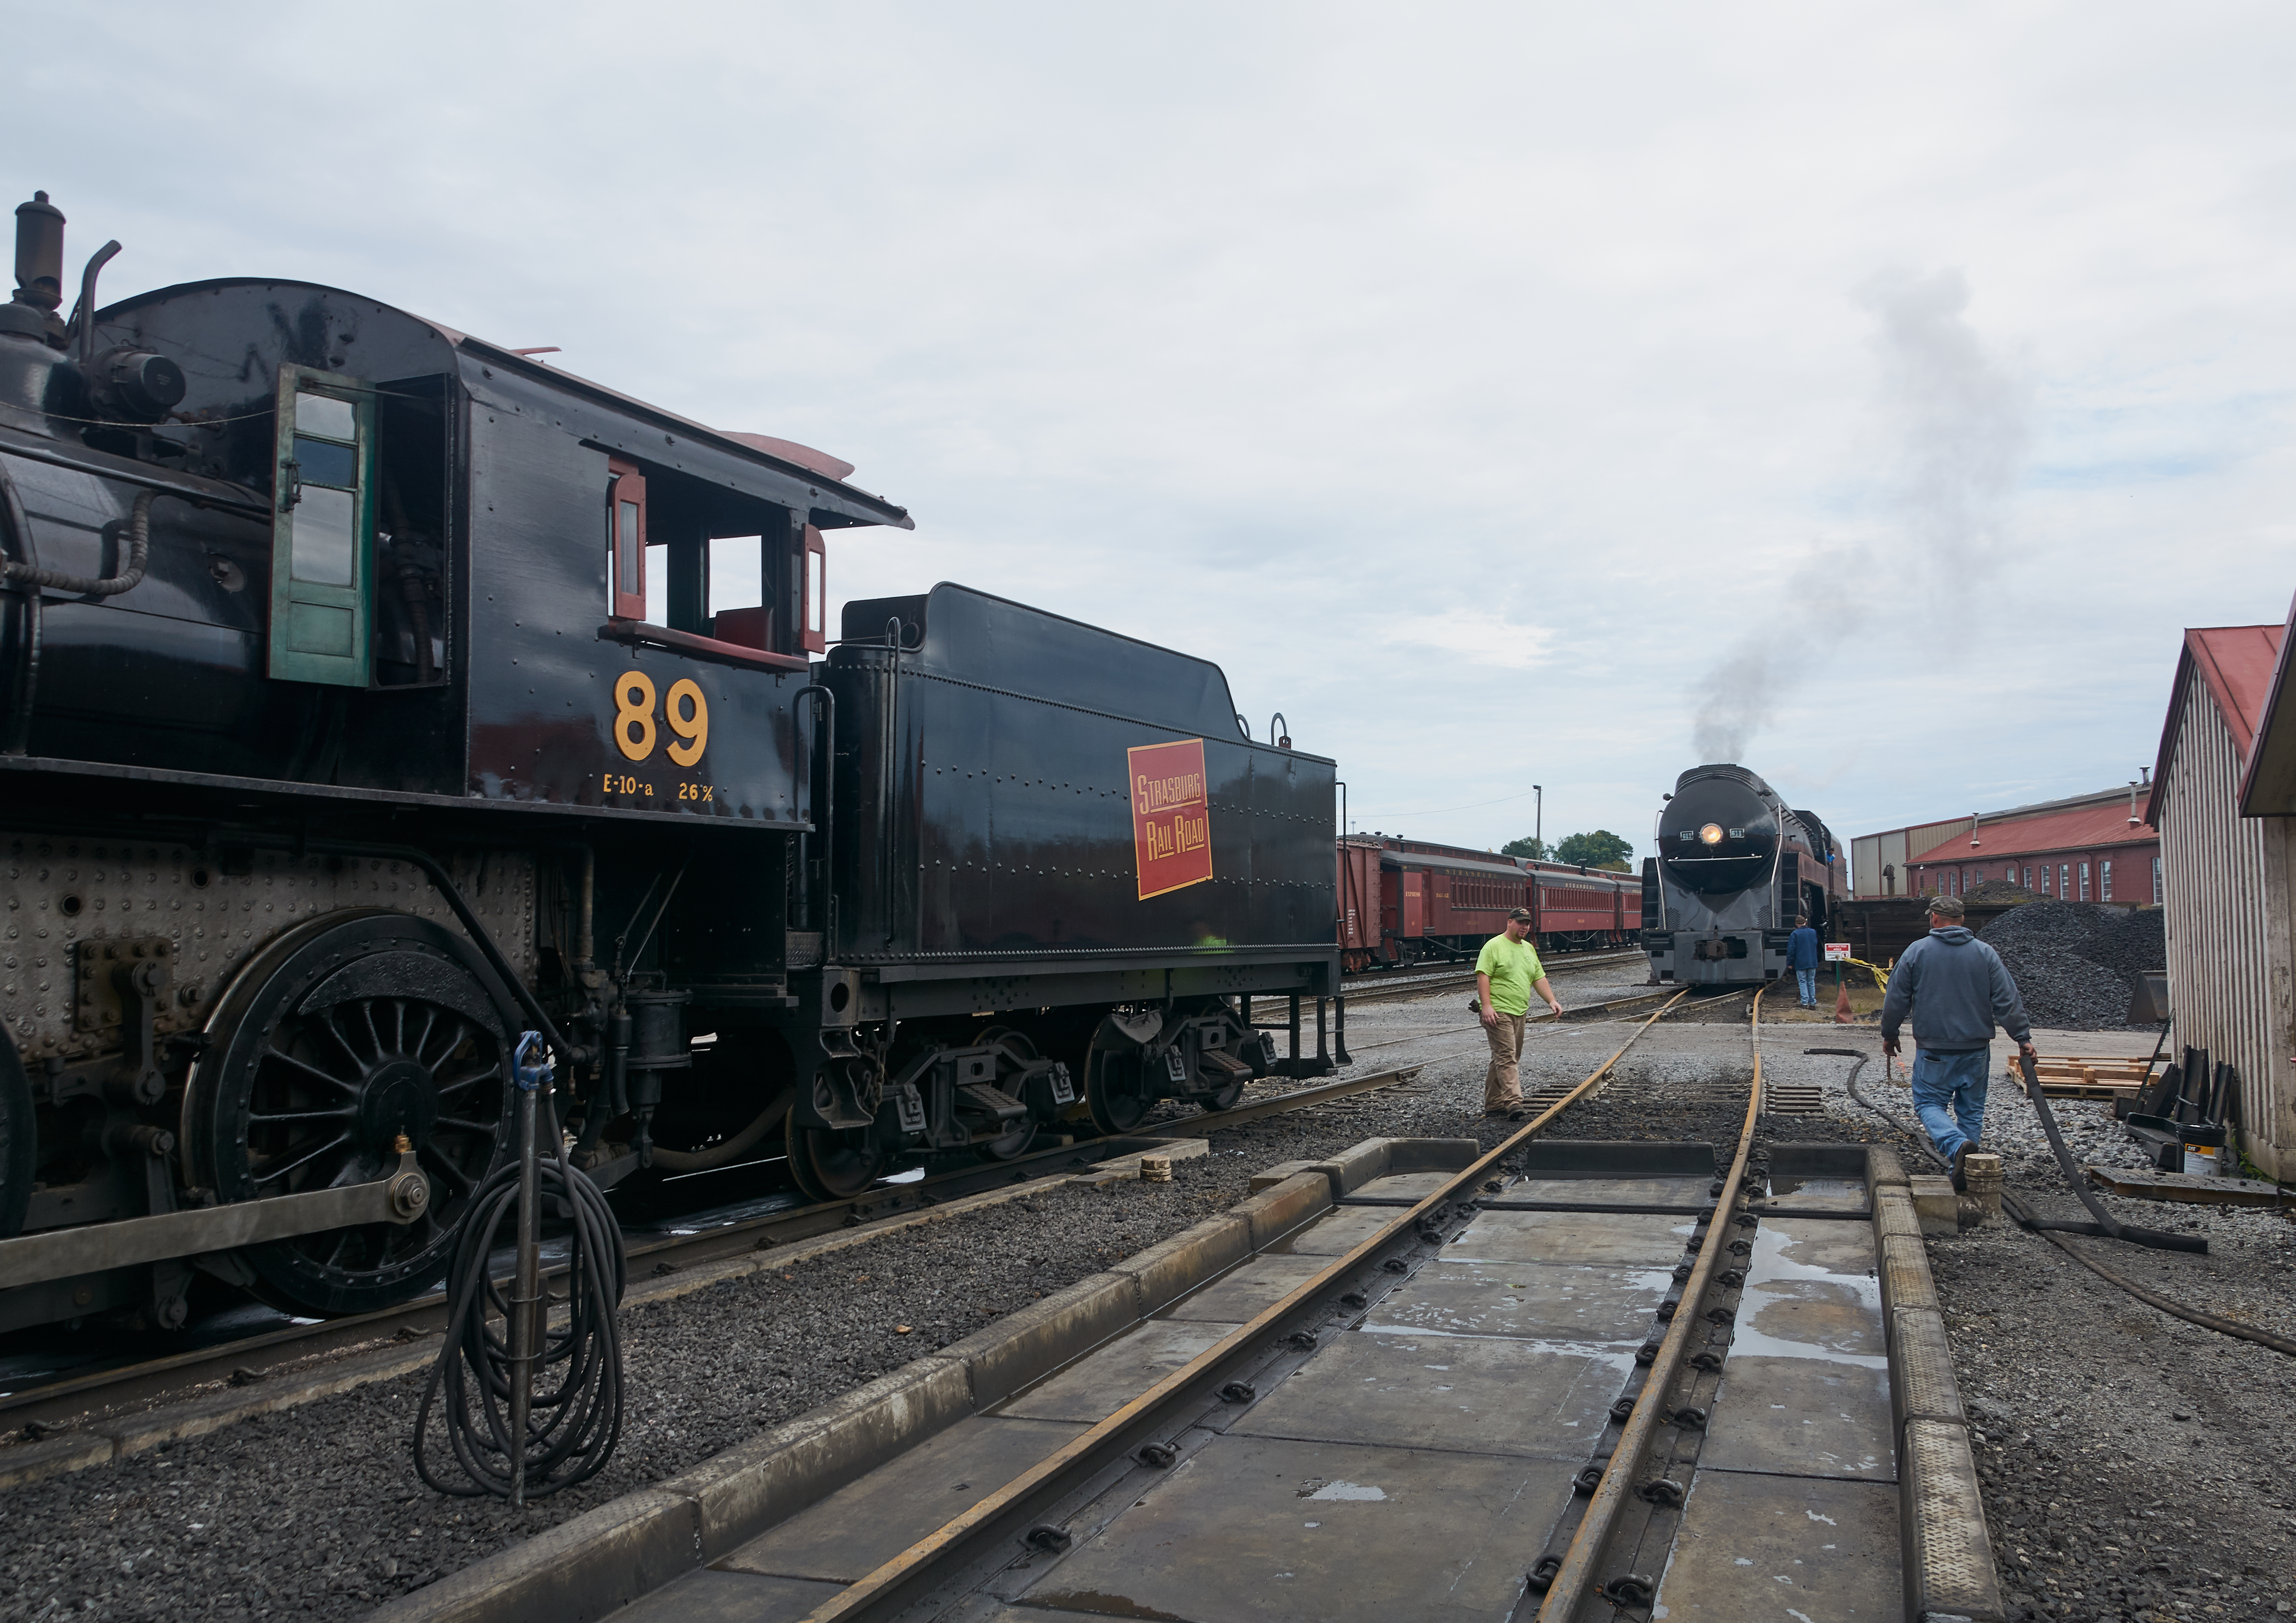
{"x": 2093, "y": 848}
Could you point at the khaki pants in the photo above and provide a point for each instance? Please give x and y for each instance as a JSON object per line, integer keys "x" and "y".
{"x": 1503, "y": 1082}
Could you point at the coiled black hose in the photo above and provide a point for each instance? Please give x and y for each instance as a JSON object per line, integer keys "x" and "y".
{"x": 572, "y": 1427}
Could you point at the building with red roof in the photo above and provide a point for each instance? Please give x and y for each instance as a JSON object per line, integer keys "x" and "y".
{"x": 2224, "y": 798}
{"x": 2092, "y": 847}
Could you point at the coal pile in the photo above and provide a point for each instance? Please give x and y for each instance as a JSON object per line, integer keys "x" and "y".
{"x": 2000, "y": 890}
{"x": 2076, "y": 963}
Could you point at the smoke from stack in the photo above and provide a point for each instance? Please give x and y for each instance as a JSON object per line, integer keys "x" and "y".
{"x": 1959, "y": 421}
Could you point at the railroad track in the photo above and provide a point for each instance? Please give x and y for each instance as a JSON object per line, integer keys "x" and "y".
{"x": 1374, "y": 987}
{"x": 40, "y": 1405}
{"x": 1399, "y": 1410}
{"x": 1580, "y": 1014}
{"x": 1079, "y": 1492}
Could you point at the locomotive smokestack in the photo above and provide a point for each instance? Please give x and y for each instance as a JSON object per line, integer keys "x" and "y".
{"x": 39, "y": 253}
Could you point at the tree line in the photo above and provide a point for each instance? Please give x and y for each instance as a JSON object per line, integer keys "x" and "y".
{"x": 1600, "y": 850}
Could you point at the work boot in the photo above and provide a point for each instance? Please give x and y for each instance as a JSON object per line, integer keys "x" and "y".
{"x": 1960, "y": 1156}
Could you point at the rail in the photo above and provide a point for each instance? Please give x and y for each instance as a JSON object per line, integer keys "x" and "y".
{"x": 149, "y": 1380}
{"x": 1573, "y": 1583}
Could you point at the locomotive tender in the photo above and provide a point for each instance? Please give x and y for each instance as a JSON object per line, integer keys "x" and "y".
{"x": 337, "y": 748}
{"x": 1735, "y": 870}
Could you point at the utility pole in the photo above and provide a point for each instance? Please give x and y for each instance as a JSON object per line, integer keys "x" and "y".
{"x": 1539, "y": 820}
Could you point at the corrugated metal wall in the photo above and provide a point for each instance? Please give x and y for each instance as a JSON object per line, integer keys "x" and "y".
{"x": 1869, "y": 854}
{"x": 2226, "y": 883}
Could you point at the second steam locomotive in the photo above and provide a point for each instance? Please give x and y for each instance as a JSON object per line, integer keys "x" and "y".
{"x": 1736, "y": 869}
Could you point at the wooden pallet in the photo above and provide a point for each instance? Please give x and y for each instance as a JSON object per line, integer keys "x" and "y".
{"x": 2084, "y": 1076}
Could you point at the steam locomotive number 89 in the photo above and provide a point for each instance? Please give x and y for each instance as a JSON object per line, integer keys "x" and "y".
{"x": 339, "y": 745}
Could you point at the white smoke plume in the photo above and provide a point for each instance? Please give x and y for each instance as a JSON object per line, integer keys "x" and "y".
{"x": 1958, "y": 422}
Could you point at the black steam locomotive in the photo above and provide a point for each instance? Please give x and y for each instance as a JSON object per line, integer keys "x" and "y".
{"x": 1735, "y": 870}
{"x": 337, "y": 748}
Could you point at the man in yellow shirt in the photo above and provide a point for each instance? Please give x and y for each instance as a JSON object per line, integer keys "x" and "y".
{"x": 1507, "y": 971}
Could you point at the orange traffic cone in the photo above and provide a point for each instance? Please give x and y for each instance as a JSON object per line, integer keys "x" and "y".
{"x": 1841, "y": 1015}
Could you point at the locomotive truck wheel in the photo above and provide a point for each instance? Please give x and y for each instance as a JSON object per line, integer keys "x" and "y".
{"x": 1016, "y": 1138}
{"x": 343, "y": 1034}
{"x": 834, "y": 1163}
{"x": 19, "y": 1140}
{"x": 1112, "y": 1082}
{"x": 1225, "y": 1098}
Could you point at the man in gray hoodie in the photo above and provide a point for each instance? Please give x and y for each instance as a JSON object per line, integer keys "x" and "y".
{"x": 1957, "y": 990}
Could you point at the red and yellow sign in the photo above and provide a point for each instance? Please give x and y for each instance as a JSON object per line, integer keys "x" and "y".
{"x": 1171, "y": 816}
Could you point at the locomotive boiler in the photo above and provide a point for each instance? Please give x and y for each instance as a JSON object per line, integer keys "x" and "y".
{"x": 1735, "y": 869}
{"x": 365, "y": 704}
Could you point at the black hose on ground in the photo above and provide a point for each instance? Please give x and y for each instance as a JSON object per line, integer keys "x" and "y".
{"x": 2053, "y": 1229}
{"x": 572, "y": 1427}
{"x": 2191, "y": 1315}
{"x": 2107, "y": 1225}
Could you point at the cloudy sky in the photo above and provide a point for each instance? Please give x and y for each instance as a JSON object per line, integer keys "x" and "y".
{"x": 1509, "y": 395}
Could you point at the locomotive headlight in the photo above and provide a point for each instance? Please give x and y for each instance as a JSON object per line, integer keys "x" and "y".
{"x": 1711, "y": 834}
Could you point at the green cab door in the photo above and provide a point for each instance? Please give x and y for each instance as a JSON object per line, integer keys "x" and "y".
{"x": 323, "y": 529}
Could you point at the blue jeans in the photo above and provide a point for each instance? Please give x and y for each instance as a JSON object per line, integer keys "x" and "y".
{"x": 1953, "y": 1079}
{"x": 1808, "y": 979}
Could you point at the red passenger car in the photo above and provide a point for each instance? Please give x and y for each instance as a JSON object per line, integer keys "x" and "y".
{"x": 1410, "y": 901}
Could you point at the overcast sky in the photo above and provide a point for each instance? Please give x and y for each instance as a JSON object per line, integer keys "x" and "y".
{"x": 1488, "y": 388}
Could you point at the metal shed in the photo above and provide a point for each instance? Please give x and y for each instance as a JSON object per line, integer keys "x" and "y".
{"x": 2225, "y": 870}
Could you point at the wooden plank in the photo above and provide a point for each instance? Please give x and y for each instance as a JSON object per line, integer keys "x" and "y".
{"x": 2192, "y": 1188}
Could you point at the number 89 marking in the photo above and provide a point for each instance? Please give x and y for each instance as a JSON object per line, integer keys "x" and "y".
{"x": 686, "y": 711}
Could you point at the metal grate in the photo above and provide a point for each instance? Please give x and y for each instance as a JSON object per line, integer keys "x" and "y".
{"x": 1923, "y": 1369}
{"x": 1955, "y": 1571}
{"x": 1794, "y": 1098}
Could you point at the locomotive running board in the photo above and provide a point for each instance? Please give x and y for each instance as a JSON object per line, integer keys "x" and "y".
{"x": 31, "y": 1259}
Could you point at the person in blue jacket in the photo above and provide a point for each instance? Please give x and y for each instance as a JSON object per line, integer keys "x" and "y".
{"x": 1957, "y": 989}
{"x": 1802, "y": 957}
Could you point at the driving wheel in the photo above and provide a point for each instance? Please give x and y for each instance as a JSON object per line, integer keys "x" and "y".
{"x": 346, "y": 1033}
